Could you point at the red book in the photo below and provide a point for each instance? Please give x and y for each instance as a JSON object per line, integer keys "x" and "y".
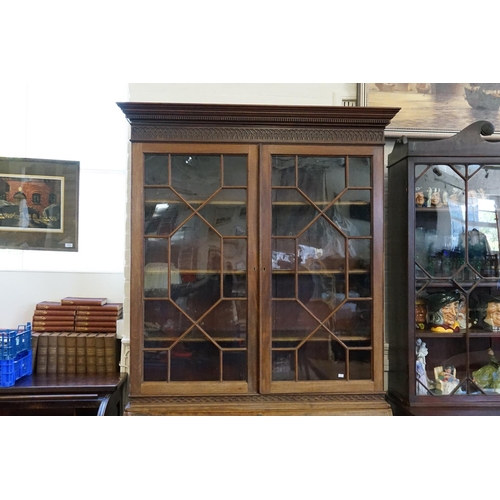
{"x": 57, "y": 306}
{"x": 52, "y": 328}
{"x": 96, "y": 324}
{"x": 95, "y": 329}
{"x": 100, "y": 318}
{"x": 98, "y": 314}
{"x": 55, "y": 312}
{"x": 70, "y": 324}
{"x": 89, "y": 301}
{"x": 108, "y": 306}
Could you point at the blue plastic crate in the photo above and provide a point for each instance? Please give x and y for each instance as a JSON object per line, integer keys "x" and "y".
{"x": 12, "y": 342}
{"x": 12, "y": 370}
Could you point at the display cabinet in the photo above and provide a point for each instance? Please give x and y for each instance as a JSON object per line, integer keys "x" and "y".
{"x": 256, "y": 259}
{"x": 443, "y": 299}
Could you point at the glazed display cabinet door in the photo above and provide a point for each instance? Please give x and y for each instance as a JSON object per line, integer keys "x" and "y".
{"x": 321, "y": 271}
{"x": 456, "y": 277}
{"x": 193, "y": 329}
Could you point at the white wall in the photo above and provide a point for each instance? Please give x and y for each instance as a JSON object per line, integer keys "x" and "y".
{"x": 69, "y": 121}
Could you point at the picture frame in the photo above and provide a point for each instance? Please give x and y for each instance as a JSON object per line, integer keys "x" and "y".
{"x": 434, "y": 110}
{"x": 39, "y": 204}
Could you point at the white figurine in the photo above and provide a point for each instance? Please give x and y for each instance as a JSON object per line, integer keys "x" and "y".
{"x": 420, "y": 369}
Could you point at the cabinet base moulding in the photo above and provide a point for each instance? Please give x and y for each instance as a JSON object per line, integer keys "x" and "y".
{"x": 333, "y": 405}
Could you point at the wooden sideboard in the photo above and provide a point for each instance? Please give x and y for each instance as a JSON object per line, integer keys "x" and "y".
{"x": 66, "y": 395}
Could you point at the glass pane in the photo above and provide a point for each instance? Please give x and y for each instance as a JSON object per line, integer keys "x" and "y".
{"x": 156, "y": 267}
{"x": 440, "y": 221}
{"x": 352, "y": 213}
{"x": 292, "y": 323}
{"x": 234, "y": 365}
{"x": 164, "y": 323}
{"x": 195, "y": 358}
{"x": 321, "y": 178}
{"x": 164, "y": 212}
{"x": 226, "y": 212}
{"x": 196, "y": 177}
{"x": 359, "y": 172}
{"x": 283, "y": 171}
{"x": 225, "y": 324}
{"x": 291, "y": 212}
{"x": 283, "y": 365}
{"x": 155, "y": 366}
{"x": 235, "y": 170}
{"x": 156, "y": 170}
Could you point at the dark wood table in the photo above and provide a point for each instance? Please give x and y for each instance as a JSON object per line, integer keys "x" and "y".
{"x": 64, "y": 395}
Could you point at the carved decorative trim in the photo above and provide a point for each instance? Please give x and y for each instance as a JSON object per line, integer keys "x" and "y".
{"x": 160, "y": 133}
{"x": 259, "y": 399}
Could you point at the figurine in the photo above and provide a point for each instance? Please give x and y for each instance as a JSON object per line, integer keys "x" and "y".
{"x": 436, "y": 198}
{"x": 491, "y": 313}
{"x": 443, "y": 311}
{"x": 488, "y": 376}
{"x": 419, "y": 198}
{"x": 420, "y": 368}
{"x": 446, "y": 380}
{"x": 420, "y": 313}
{"x": 429, "y": 196}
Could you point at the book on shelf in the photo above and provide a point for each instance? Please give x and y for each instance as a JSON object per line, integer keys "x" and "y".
{"x": 91, "y": 329}
{"x": 52, "y": 355}
{"x": 34, "y": 350}
{"x": 97, "y": 324}
{"x": 111, "y": 307}
{"x": 91, "y": 353}
{"x": 71, "y": 353}
{"x": 100, "y": 353}
{"x": 36, "y": 322}
{"x": 105, "y": 315}
{"x": 110, "y": 352}
{"x": 42, "y": 354}
{"x": 54, "y": 313}
{"x": 54, "y": 306}
{"x": 52, "y": 328}
{"x": 89, "y": 301}
{"x": 81, "y": 354}
{"x": 61, "y": 352}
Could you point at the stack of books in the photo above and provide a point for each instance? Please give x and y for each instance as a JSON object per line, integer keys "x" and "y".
{"x": 76, "y": 335}
{"x": 77, "y": 314}
{"x": 74, "y": 353}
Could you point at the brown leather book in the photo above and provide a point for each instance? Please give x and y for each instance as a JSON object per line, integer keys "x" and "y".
{"x": 42, "y": 354}
{"x": 81, "y": 353}
{"x": 110, "y": 352}
{"x": 71, "y": 352}
{"x": 109, "y": 306}
{"x": 100, "y": 353}
{"x": 52, "y": 355}
{"x": 54, "y": 306}
{"x": 97, "y": 324}
{"x": 61, "y": 352}
{"x": 34, "y": 350}
{"x": 54, "y": 313}
{"x": 52, "y": 328}
{"x": 97, "y": 314}
{"x": 92, "y": 329}
{"x": 36, "y": 322}
{"x": 89, "y": 301}
{"x": 91, "y": 353}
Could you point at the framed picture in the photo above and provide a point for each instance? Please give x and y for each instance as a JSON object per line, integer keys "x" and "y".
{"x": 434, "y": 109}
{"x": 39, "y": 204}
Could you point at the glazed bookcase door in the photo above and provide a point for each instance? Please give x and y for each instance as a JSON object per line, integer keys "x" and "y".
{"x": 456, "y": 248}
{"x": 193, "y": 330}
{"x": 321, "y": 269}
